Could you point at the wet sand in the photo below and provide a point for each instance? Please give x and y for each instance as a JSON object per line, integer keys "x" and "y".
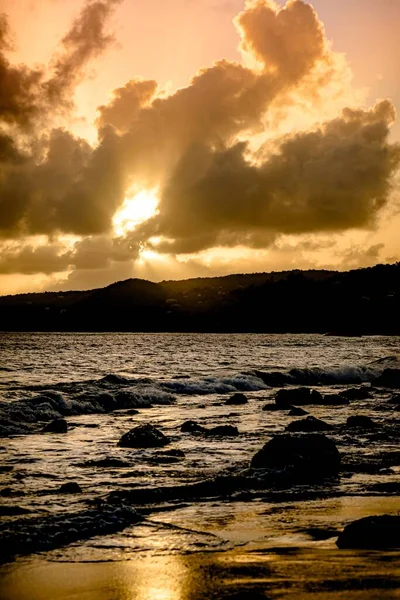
{"x": 279, "y": 552}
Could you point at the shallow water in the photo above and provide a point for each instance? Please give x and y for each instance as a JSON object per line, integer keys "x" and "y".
{"x": 189, "y": 376}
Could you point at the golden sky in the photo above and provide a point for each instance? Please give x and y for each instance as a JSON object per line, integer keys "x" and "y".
{"x": 181, "y": 138}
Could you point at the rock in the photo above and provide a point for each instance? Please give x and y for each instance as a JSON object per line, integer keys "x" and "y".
{"x": 395, "y": 399}
{"x": 56, "y": 426}
{"x": 361, "y": 393}
{"x": 309, "y": 424}
{"x": 70, "y": 488}
{"x": 334, "y": 400}
{"x": 237, "y": 399}
{"x": 105, "y": 463}
{"x": 298, "y": 396}
{"x": 107, "y": 402}
{"x": 361, "y": 422}
{"x": 297, "y": 412}
{"x": 274, "y": 407}
{"x": 143, "y": 436}
{"x": 377, "y": 532}
{"x": 389, "y": 378}
{"x": 13, "y": 511}
{"x": 11, "y": 493}
{"x": 223, "y": 431}
{"x": 192, "y": 427}
{"x": 308, "y": 456}
{"x": 173, "y": 452}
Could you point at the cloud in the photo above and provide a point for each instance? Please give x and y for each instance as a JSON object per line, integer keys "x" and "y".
{"x": 226, "y": 175}
{"x": 29, "y": 94}
{"x": 90, "y": 253}
{"x": 331, "y": 179}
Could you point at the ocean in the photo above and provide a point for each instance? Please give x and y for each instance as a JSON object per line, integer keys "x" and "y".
{"x": 282, "y": 533}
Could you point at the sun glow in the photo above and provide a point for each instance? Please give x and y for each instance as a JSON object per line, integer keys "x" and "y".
{"x": 135, "y": 210}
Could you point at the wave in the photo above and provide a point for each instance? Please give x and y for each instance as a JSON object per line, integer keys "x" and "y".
{"x": 114, "y": 392}
{"x": 27, "y": 536}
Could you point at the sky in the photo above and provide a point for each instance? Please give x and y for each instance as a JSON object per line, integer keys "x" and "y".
{"x": 167, "y": 139}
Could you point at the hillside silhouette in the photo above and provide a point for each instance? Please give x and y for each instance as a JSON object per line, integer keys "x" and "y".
{"x": 363, "y": 301}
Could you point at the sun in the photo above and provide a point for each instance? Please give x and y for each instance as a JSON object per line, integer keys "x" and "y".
{"x": 136, "y": 209}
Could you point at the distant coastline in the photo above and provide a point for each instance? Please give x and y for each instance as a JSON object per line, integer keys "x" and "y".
{"x": 352, "y": 303}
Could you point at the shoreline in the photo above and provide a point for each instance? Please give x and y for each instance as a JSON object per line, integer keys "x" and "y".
{"x": 270, "y": 554}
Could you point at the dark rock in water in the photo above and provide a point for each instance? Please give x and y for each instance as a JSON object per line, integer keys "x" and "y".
{"x": 107, "y": 402}
{"x": 274, "y": 407}
{"x": 11, "y": 493}
{"x": 246, "y": 595}
{"x": 297, "y": 412}
{"x": 378, "y": 532}
{"x": 112, "y": 463}
{"x": 308, "y": 456}
{"x": 143, "y": 436}
{"x": 361, "y": 393}
{"x": 192, "y": 427}
{"x": 389, "y": 378}
{"x": 5, "y": 468}
{"x": 390, "y": 487}
{"x": 299, "y": 397}
{"x": 173, "y": 452}
{"x": 56, "y": 426}
{"x": 223, "y": 431}
{"x": 334, "y": 400}
{"x": 361, "y": 422}
{"x": 12, "y": 511}
{"x": 273, "y": 378}
{"x": 114, "y": 379}
{"x": 70, "y": 488}
{"x": 395, "y": 399}
{"x": 237, "y": 399}
{"x": 309, "y": 424}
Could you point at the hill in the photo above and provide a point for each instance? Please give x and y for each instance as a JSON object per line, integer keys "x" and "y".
{"x": 363, "y": 301}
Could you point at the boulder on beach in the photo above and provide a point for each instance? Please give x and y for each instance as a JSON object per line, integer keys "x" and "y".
{"x": 56, "y": 426}
{"x": 223, "y": 431}
{"x": 143, "y": 436}
{"x": 308, "y": 456}
{"x": 360, "y": 421}
{"x": 308, "y": 425}
{"x": 237, "y": 399}
{"x": 285, "y": 398}
{"x": 192, "y": 427}
{"x": 377, "y": 532}
{"x": 389, "y": 378}
{"x": 360, "y": 393}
